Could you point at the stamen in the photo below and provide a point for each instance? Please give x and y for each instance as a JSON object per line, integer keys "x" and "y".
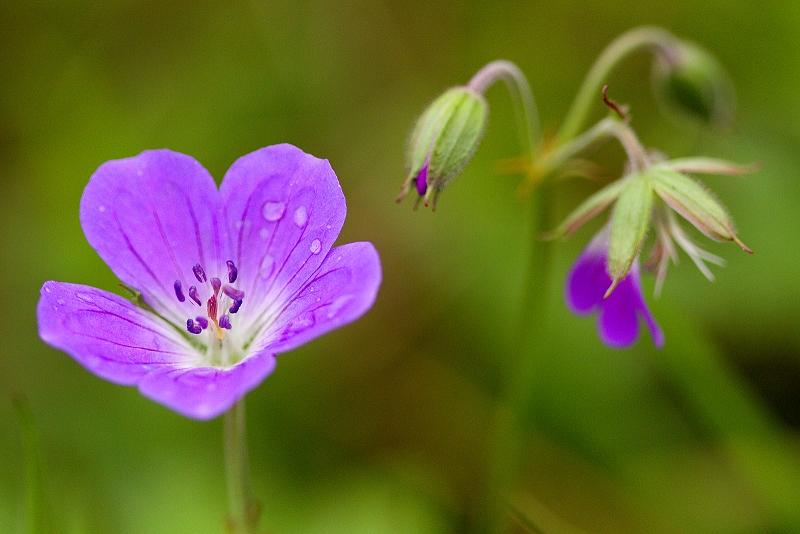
{"x": 199, "y": 273}
{"x": 233, "y": 293}
{"x": 233, "y": 272}
{"x": 216, "y": 283}
{"x": 193, "y": 328}
{"x": 224, "y": 322}
{"x": 193, "y": 296}
{"x": 202, "y": 321}
{"x": 235, "y": 307}
{"x": 179, "y": 291}
{"x": 211, "y": 306}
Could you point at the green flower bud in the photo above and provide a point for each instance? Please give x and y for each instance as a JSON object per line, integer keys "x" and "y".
{"x": 689, "y": 80}
{"x": 695, "y": 204}
{"x": 629, "y": 222}
{"x": 443, "y": 141}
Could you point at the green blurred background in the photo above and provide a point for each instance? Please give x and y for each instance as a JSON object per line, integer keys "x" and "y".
{"x": 390, "y": 425}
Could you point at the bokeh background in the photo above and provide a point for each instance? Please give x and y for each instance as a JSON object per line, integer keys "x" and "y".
{"x": 390, "y": 425}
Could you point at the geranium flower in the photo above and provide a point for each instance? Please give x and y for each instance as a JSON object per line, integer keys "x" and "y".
{"x": 618, "y": 314}
{"x": 228, "y": 278}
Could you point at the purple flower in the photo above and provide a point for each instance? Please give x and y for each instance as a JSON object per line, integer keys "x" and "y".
{"x": 231, "y": 277}
{"x": 618, "y": 315}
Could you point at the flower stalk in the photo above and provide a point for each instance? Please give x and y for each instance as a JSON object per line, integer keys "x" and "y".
{"x": 244, "y": 509}
{"x": 521, "y": 97}
{"x": 621, "y": 48}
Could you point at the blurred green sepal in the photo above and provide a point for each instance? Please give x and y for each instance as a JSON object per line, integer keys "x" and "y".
{"x": 690, "y": 81}
{"x": 38, "y": 516}
{"x": 443, "y": 141}
{"x": 629, "y": 222}
{"x": 694, "y": 203}
{"x": 588, "y": 209}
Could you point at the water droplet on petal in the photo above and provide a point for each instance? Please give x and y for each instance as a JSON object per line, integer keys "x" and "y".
{"x": 337, "y": 305}
{"x": 267, "y": 265}
{"x": 84, "y": 297}
{"x": 315, "y": 246}
{"x": 61, "y": 302}
{"x": 301, "y": 322}
{"x": 272, "y": 211}
{"x": 300, "y": 216}
{"x": 328, "y": 226}
{"x": 47, "y": 289}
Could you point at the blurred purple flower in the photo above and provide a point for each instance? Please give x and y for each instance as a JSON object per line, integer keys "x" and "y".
{"x": 231, "y": 277}
{"x": 618, "y": 315}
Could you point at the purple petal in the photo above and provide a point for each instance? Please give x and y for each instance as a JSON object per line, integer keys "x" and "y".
{"x": 588, "y": 279}
{"x": 206, "y": 392}
{"x": 153, "y": 217}
{"x": 617, "y": 322}
{"x": 341, "y": 291}
{"x": 587, "y": 282}
{"x": 422, "y": 180}
{"x": 285, "y": 209}
{"x": 107, "y": 334}
{"x": 618, "y": 315}
{"x": 126, "y": 345}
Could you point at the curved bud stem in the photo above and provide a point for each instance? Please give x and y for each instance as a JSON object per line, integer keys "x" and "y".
{"x": 646, "y": 37}
{"x": 521, "y": 95}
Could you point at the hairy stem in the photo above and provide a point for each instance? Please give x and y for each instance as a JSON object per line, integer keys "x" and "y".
{"x": 521, "y": 96}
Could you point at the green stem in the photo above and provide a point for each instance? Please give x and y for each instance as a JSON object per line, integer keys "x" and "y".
{"x": 38, "y": 518}
{"x": 521, "y": 96}
{"x": 623, "y": 46}
{"x": 244, "y": 510}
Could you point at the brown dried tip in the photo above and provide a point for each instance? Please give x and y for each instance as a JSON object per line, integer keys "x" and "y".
{"x": 613, "y": 105}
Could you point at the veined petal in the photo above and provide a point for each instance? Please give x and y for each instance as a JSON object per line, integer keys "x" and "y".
{"x": 206, "y": 392}
{"x": 285, "y": 209}
{"x": 126, "y": 345}
{"x": 107, "y": 334}
{"x": 151, "y": 218}
{"x": 341, "y": 291}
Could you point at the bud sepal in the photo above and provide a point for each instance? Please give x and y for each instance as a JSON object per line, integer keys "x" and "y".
{"x": 443, "y": 141}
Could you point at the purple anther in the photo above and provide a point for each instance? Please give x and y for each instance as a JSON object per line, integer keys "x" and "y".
{"x": 211, "y": 307}
{"x": 193, "y": 328}
{"x": 202, "y": 321}
{"x": 233, "y": 272}
{"x": 216, "y": 283}
{"x": 193, "y": 295}
{"x": 179, "y": 291}
{"x": 199, "y": 273}
{"x": 224, "y": 322}
{"x": 233, "y": 293}
{"x": 235, "y": 307}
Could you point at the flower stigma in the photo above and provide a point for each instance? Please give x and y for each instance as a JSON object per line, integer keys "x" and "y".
{"x": 218, "y": 297}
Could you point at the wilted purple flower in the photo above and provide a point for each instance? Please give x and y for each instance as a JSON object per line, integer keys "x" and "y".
{"x": 618, "y": 315}
{"x": 254, "y": 259}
